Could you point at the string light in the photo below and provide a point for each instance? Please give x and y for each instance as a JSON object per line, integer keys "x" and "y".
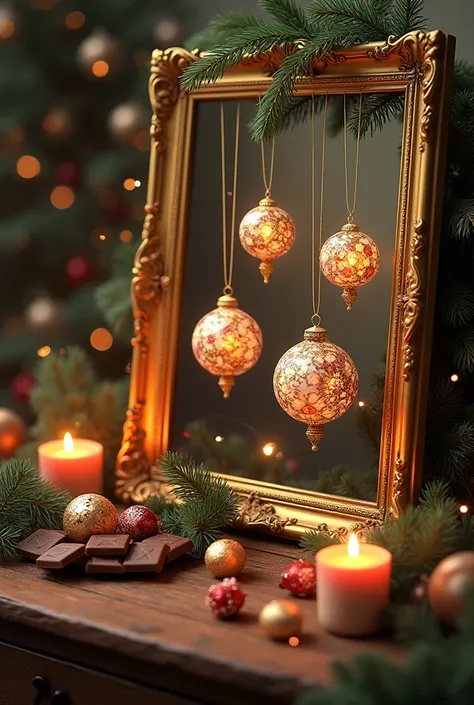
{"x": 28, "y": 167}
{"x": 293, "y": 641}
{"x": 102, "y": 236}
{"x": 101, "y": 339}
{"x": 268, "y": 449}
{"x": 75, "y": 20}
{"x": 454, "y": 378}
{"x": 463, "y": 508}
{"x": 129, "y": 184}
{"x": 43, "y": 351}
{"x": 62, "y": 197}
{"x": 100, "y": 69}
{"x": 126, "y": 235}
{"x": 137, "y": 183}
{"x": 279, "y": 455}
{"x": 361, "y": 403}
{"x": 219, "y": 439}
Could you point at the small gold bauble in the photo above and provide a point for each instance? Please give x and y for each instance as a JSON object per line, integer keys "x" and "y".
{"x": 225, "y": 558}
{"x": 12, "y": 432}
{"x": 87, "y": 515}
{"x": 281, "y": 619}
{"x": 448, "y": 584}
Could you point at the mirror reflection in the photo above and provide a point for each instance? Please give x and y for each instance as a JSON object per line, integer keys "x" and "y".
{"x": 249, "y": 434}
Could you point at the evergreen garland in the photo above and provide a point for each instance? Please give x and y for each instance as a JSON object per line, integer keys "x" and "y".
{"x": 205, "y": 503}
{"x": 27, "y": 503}
{"x": 303, "y": 36}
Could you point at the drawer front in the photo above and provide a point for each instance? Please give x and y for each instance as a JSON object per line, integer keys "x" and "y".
{"x": 78, "y": 686}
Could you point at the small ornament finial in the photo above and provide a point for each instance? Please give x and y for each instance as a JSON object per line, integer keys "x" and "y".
{"x": 226, "y": 382}
{"x": 349, "y": 295}
{"x": 314, "y": 435}
{"x": 266, "y": 268}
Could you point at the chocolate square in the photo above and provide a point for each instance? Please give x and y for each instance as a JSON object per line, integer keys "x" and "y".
{"x": 108, "y": 545}
{"x": 38, "y": 543}
{"x": 177, "y": 545}
{"x": 102, "y": 564}
{"x": 145, "y": 558}
{"x": 61, "y": 555}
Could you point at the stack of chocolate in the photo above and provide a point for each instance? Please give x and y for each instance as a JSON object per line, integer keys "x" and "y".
{"x": 103, "y": 553}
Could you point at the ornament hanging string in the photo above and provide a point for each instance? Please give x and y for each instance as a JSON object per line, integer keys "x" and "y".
{"x": 268, "y": 183}
{"x": 229, "y": 268}
{"x": 316, "y": 297}
{"x": 351, "y": 211}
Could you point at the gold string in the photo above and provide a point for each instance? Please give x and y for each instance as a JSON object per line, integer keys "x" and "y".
{"x": 268, "y": 184}
{"x": 317, "y": 298}
{"x": 228, "y": 270}
{"x": 351, "y": 211}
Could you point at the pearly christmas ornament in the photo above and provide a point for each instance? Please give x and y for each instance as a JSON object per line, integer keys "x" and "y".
{"x": 226, "y": 598}
{"x": 43, "y": 315}
{"x": 98, "y": 54}
{"x": 125, "y": 121}
{"x": 299, "y": 578}
{"x": 225, "y": 558}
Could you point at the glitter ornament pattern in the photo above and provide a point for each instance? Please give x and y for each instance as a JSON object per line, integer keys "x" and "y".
{"x": 226, "y": 598}
{"x": 299, "y": 578}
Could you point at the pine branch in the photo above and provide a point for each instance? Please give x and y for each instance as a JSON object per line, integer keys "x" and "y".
{"x": 157, "y": 503}
{"x": 377, "y": 110}
{"x": 171, "y": 519}
{"x": 460, "y": 220}
{"x": 288, "y": 14}
{"x": 313, "y": 541}
{"x": 456, "y": 308}
{"x": 220, "y": 29}
{"x": 406, "y": 16}
{"x": 360, "y": 17}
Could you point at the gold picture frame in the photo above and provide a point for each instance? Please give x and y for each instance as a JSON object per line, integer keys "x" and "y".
{"x": 417, "y": 65}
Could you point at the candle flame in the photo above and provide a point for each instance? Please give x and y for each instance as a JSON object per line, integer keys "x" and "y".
{"x": 68, "y": 443}
{"x": 353, "y": 548}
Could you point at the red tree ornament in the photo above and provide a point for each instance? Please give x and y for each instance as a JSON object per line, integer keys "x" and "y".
{"x": 21, "y": 386}
{"x": 79, "y": 271}
{"x": 226, "y": 598}
{"x": 299, "y": 578}
{"x": 139, "y": 522}
{"x": 68, "y": 174}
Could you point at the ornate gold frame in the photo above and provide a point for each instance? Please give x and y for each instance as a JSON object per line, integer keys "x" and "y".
{"x": 418, "y": 65}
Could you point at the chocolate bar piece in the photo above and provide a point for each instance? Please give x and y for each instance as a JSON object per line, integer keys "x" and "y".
{"x": 61, "y": 555}
{"x": 102, "y": 564}
{"x": 108, "y": 545}
{"x": 38, "y": 543}
{"x": 145, "y": 558}
{"x": 177, "y": 545}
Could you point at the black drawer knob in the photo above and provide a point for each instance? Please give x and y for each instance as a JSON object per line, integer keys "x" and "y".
{"x": 60, "y": 697}
{"x": 42, "y": 686}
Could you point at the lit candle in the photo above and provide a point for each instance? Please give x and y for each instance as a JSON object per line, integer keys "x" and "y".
{"x": 353, "y": 587}
{"x": 74, "y": 465}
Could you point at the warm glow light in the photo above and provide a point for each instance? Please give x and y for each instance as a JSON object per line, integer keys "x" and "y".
{"x": 102, "y": 236}
{"x": 137, "y": 183}
{"x": 219, "y": 439}
{"x": 361, "y": 403}
{"x": 100, "y": 69}
{"x": 293, "y": 641}
{"x": 129, "y": 184}
{"x": 142, "y": 141}
{"x": 101, "y": 339}
{"x": 7, "y": 28}
{"x": 353, "y": 548}
{"x": 44, "y": 351}
{"x": 126, "y": 235}
{"x": 279, "y": 455}
{"x": 464, "y": 509}
{"x": 75, "y": 20}
{"x": 28, "y": 167}
{"x": 68, "y": 443}
{"x": 62, "y": 197}
{"x": 267, "y": 232}
{"x": 268, "y": 449}
{"x": 454, "y": 378}
{"x": 43, "y": 4}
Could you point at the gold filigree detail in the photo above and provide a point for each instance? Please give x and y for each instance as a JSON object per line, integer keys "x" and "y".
{"x": 342, "y": 533}
{"x": 411, "y": 300}
{"x": 256, "y": 513}
{"x": 398, "y": 483}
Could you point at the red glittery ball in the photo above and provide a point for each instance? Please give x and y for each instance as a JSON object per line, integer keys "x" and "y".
{"x": 226, "y": 598}
{"x": 299, "y": 578}
{"x": 139, "y": 522}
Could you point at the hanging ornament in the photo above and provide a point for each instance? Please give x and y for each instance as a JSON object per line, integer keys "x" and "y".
{"x": 267, "y": 232}
{"x": 299, "y": 578}
{"x": 125, "y": 121}
{"x": 12, "y": 432}
{"x": 58, "y": 124}
{"x": 315, "y": 381}
{"x": 21, "y": 387}
{"x": 350, "y": 258}
{"x": 43, "y": 315}
{"x": 227, "y": 341}
{"x": 99, "y": 54}
{"x": 78, "y": 271}
{"x": 226, "y": 598}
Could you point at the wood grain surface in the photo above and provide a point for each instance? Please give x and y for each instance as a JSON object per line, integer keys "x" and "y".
{"x": 157, "y": 631}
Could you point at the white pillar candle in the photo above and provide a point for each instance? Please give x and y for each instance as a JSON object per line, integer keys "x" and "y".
{"x": 353, "y": 587}
{"x": 74, "y": 465}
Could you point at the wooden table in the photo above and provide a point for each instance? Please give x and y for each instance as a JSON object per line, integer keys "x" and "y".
{"x": 144, "y": 640}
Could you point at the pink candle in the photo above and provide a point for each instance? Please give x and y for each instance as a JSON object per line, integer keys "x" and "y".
{"x": 74, "y": 465}
{"x": 353, "y": 587}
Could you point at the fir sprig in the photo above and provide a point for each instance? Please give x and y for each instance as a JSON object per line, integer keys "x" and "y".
{"x": 27, "y": 503}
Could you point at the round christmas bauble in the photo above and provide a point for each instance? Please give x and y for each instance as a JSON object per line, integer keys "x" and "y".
{"x": 8, "y": 22}
{"x": 299, "y": 578}
{"x": 12, "y": 432}
{"x": 225, "y": 558}
{"x": 21, "y": 386}
{"x": 99, "y": 54}
{"x": 168, "y": 31}
{"x": 448, "y": 584}
{"x": 79, "y": 270}
{"x": 139, "y": 522}
{"x": 226, "y": 598}
{"x": 281, "y": 619}
{"x": 267, "y": 232}
{"x": 89, "y": 514}
{"x": 58, "y": 123}
{"x": 315, "y": 382}
{"x": 125, "y": 121}
{"x": 349, "y": 259}
{"x": 43, "y": 315}
{"x": 227, "y": 342}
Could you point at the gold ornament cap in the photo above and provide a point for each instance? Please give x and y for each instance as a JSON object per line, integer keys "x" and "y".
{"x": 350, "y": 227}
{"x": 227, "y": 301}
{"x": 314, "y": 435}
{"x": 316, "y": 334}
{"x": 225, "y": 558}
{"x": 267, "y": 201}
{"x": 266, "y": 268}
